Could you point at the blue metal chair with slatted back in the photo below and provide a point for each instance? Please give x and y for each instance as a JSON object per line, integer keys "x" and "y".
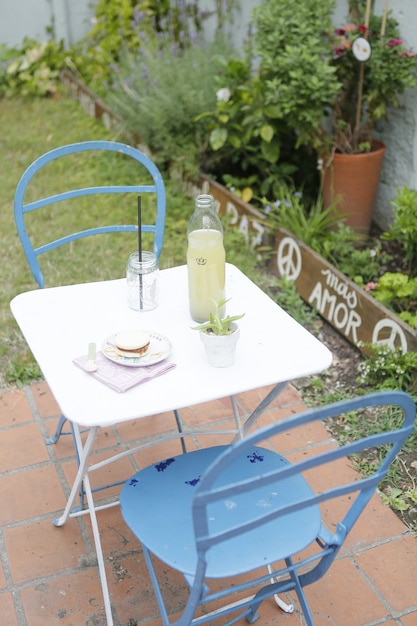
{"x": 217, "y": 513}
{"x": 152, "y": 183}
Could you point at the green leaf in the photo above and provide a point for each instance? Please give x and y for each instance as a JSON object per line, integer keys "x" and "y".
{"x": 218, "y": 138}
{"x": 273, "y": 110}
{"x": 267, "y": 132}
{"x": 271, "y": 151}
{"x": 235, "y": 141}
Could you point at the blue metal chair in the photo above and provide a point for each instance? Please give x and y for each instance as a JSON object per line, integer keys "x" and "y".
{"x": 152, "y": 184}
{"x": 219, "y": 512}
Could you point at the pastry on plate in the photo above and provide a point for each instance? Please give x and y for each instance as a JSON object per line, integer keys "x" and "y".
{"x": 132, "y": 343}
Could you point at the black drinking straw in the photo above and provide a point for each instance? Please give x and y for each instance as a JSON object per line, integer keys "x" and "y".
{"x": 140, "y": 252}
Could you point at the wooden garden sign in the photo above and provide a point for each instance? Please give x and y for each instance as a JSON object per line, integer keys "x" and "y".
{"x": 346, "y": 306}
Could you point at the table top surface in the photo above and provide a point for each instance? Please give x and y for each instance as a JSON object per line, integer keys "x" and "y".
{"x": 59, "y": 322}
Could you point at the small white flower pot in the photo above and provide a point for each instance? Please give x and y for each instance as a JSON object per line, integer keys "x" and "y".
{"x": 221, "y": 349}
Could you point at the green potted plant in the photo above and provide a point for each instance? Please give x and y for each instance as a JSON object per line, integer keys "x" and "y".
{"x": 219, "y": 336}
{"x": 330, "y": 94}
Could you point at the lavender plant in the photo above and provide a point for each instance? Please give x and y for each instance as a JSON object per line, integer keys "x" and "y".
{"x": 166, "y": 84}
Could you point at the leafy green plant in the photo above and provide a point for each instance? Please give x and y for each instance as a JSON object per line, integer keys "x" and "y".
{"x": 309, "y": 224}
{"x": 7, "y": 55}
{"x": 398, "y": 499}
{"x": 404, "y": 226}
{"x": 285, "y": 293}
{"x": 22, "y": 373}
{"x": 115, "y": 31}
{"x": 311, "y": 75}
{"x": 409, "y": 318}
{"x": 337, "y": 243}
{"x": 360, "y": 264}
{"x": 121, "y": 27}
{"x": 399, "y": 293}
{"x": 250, "y": 148}
{"x": 217, "y": 324}
{"x": 111, "y": 33}
{"x": 298, "y": 80}
{"x": 31, "y": 69}
{"x": 385, "y": 368}
{"x": 399, "y": 488}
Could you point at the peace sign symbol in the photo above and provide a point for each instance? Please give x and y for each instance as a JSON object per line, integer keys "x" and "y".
{"x": 289, "y": 260}
{"x": 388, "y": 332}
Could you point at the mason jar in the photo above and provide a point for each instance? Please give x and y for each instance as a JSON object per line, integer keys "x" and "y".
{"x": 142, "y": 281}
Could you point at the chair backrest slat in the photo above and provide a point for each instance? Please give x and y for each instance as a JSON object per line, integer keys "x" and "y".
{"x": 88, "y": 191}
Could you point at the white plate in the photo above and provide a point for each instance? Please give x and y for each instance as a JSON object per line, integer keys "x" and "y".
{"x": 160, "y": 347}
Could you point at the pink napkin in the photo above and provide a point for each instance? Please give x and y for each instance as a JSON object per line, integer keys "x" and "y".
{"x": 121, "y": 377}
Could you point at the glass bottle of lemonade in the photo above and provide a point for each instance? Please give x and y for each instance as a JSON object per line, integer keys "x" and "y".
{"x": 205, "y": 259}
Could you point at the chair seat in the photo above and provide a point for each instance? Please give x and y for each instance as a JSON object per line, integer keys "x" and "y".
{"x": 168, "y": 532}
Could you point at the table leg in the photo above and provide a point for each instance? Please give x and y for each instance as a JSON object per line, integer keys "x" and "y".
{"x": 99, "y": 550}
{"x": 275, "y": 391}
{"x": 82, "y": 476}
{"x": 237, "y": 418}
{"x": 84, "y": 453}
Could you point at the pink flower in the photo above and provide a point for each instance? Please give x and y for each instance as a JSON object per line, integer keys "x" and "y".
{"x": 370, "y": 286}
{"x": 407, "y": 53}
{"x": 349, "y": 27}
{"x": 363, "y": 29}
{"x": 395, "y": 42}
{"x": 342, "y": 47}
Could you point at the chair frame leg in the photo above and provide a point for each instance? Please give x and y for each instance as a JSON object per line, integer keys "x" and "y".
{"x": 180, "y": 430}
{"x": 300, "y": 593}
{"x": 58, "y": 431}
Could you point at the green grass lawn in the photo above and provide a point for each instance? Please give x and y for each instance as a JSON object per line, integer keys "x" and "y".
{"x": 32, "y": 127}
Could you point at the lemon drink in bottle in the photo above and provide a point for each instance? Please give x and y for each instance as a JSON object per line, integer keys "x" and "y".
{"x": 205, "y": 259}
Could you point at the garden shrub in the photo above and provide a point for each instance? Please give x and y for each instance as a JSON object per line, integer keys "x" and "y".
{"x": 31, "y": 69}
{"x": 404, "y": 226}
{"x": 121, "y": 26}
{"x": 161, "y": 89}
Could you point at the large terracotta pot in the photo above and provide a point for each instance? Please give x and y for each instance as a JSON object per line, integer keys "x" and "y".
{"x": 351, "y": 181}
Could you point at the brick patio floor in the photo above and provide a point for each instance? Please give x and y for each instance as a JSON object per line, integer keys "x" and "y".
{"x": 48, "y": 575}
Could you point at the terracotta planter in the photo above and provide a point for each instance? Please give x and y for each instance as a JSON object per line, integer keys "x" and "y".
{"x": 351, "y": 180}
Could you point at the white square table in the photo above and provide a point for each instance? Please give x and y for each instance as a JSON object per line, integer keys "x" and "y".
{"x": 58, "y": 323}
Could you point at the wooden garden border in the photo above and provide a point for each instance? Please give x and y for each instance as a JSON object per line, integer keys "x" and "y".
{"x": 348, "y": 308}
